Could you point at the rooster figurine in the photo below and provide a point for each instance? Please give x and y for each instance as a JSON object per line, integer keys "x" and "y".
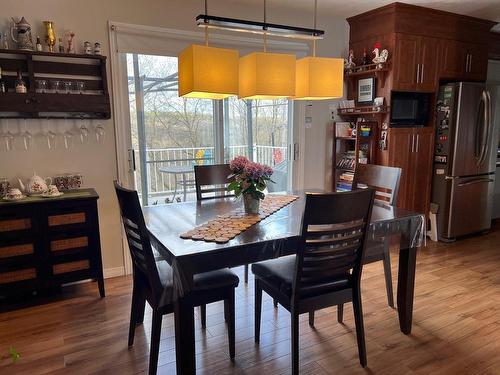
{"x": 380, "y": 57}
{"x": 349, "y": 63}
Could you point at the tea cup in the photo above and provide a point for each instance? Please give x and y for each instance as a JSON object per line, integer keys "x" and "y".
{"x": 52, "y": 190}
{"x": 14, "y": 193}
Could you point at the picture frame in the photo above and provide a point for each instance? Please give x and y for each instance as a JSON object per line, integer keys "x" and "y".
{"x": 366, "y": 90}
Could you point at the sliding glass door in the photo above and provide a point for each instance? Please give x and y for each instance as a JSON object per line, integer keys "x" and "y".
{"x": 170, "y": 135}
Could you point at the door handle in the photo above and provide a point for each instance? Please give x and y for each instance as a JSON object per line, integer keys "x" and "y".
{"x": 422, "y": 74}
{"x": 412, "y": 142}
{"x": 417, "y": 143}
{"x": 487, "y": 125}
{"x": 418, "y": 72}
{"x": 473, "y": 182}
{"x": 467, "y": 63}
{"x": 131, "y": 159}
{"x": 470, "y": 62}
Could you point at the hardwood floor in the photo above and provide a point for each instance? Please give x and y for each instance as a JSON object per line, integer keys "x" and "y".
{"x": 456, "y": 327}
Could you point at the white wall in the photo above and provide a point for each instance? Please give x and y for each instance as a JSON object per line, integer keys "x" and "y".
{"x": 97, "y": 162}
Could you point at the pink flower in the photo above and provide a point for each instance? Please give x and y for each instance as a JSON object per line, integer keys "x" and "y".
{"x": 237, "y": 165}
{"x": 256, "y": 170}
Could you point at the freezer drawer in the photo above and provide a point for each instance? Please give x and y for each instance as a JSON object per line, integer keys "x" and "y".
{"x": 470, "y": 205}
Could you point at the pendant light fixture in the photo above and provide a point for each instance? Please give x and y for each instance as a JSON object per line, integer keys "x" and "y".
{"x": 319, "y": 78}
{"x": 266, "y": 75}
{"x": 208, "y": 72}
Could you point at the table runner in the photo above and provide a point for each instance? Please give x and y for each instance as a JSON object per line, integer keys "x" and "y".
{"x": 226, "y": 227}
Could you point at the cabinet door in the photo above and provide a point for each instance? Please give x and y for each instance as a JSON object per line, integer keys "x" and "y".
{"x": 421, "y": 170}
{"x": 453, "y": 59}
{"x": 478, "y": 62}
{"x": 405, "y": 64}
{"x": 401, "y": 146}
{"x": 429, "y": 55}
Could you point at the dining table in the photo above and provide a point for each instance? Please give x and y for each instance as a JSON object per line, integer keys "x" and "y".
{"x": 275, "y": 236}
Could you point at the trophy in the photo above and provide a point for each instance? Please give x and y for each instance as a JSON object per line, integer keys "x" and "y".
{"x": 50, "y": 35}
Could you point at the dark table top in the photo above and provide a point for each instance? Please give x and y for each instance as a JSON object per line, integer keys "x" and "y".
{"x": 167, "y": 222}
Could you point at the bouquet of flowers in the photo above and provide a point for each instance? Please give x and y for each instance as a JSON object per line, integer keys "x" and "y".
{"x": 249, "y": 179}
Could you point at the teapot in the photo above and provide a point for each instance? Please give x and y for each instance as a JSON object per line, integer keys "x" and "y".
{"x": 36, "y": 185}
{"x": 23, "y": 28}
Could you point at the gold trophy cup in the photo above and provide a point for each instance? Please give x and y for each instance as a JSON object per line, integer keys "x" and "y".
{"x": 50, "y": 35}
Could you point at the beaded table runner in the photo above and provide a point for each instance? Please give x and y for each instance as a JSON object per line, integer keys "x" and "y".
{"x": 225, "y": 227}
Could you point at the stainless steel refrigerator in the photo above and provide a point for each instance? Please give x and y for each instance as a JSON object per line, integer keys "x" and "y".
{"x": 465, "y": 156}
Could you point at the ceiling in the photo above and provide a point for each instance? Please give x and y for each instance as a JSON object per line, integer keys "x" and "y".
{"x": 487, "y": 9}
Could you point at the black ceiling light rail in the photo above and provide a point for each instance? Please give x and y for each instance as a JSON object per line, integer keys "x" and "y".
{"x": 256, "y": 27}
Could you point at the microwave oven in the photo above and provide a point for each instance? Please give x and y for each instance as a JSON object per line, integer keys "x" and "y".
{"x": 409, "y": 109}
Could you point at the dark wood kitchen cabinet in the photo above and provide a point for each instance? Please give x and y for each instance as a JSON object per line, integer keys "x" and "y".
{"x": 411, "y": 150}
{"x": 463, "y": 61}
{"x": 47, "y": 242}
{"x": 415, "y": 63}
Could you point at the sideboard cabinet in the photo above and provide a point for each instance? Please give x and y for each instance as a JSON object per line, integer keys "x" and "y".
{"x": 47, "y": 242}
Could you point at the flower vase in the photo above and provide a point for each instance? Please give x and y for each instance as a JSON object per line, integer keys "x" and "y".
{"x": 251, "y": 204}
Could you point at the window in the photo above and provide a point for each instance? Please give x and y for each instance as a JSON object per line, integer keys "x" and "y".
{"x": 170, "y": 134}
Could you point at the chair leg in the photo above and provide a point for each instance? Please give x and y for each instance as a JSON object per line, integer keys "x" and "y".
{"x": 275, "y": 303}
{"x": 340, "y": 313}
{"x": 311, "y": 318}
{"x": 133, "y": 315}
{"x": 258, "y": 308}
{"x": 388, "y": 276}
{"x": 230, "y": 313}
{"x": 246, "y": 273}
{"x": 155, "y": 342}
{"x": 203, "y": 316}
{"x": 295, "y": 342}
{"x": 360, "y": 330}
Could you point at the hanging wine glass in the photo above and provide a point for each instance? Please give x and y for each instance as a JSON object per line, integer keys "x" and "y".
{"x": 67, "y": 136}
{"x": 84, "y": 132}
{"x": 8, "y": 138}
{"x": 27, "y": 137}
{"x": 50, "y": 137}
{"x": 100, "y": 133}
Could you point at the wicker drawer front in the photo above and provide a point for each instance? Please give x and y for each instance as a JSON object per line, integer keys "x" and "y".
{"x": 19, "y": 275}
{"x": 16, "y": 250}
{"x": 69, "y": 243}
{"x": 67, "y": 219}
{"x": 79, "y": 265}
{"x": 15, "y": 224}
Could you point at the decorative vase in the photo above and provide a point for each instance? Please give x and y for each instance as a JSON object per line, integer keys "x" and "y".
{"x": 251, "y": 204}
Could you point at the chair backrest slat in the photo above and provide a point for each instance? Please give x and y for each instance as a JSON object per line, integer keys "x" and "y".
{"x": 143, "y": 259}
{"x": 334, "y": 228}
{"x": 211, "y": 180}
{"x": 384, "y": 180}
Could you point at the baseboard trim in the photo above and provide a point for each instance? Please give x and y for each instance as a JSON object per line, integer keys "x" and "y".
{"x": 114, "y": 272}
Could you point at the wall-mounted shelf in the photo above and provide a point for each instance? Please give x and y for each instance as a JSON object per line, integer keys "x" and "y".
{"x": 359, "y": 111}
{"x": 34, "y": 66}
{"x": 369, "y": 70}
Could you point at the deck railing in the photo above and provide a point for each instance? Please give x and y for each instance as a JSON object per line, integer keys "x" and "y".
{"x": 160, "y": 183}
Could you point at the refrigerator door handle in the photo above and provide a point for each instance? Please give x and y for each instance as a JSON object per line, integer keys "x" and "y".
{"x": 487, "y": 127}
{"x": 478, "y": 181}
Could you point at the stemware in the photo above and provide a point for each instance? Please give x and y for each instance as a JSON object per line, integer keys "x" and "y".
{"x": 84, "y": 132}
{"x": 100, "y": 133}
{"x": 41, "y": 86}
{"x": 8, "y": 138}
{"x": 67, "y": 136}
{"x": 50, "y": 137}
{"x": 27, "y": 137}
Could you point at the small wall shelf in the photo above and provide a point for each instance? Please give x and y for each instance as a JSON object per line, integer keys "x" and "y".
{"x": 90, "y": 69}
{"x": 378, "y": 70}
{"x": 359, "y": 111}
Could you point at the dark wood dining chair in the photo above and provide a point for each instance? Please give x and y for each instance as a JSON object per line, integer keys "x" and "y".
{"x": 326, "y": 270}
{"x": 211, "y": 183}
{"x": 153, "y": 280}
{"x": 385, "y": 182}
